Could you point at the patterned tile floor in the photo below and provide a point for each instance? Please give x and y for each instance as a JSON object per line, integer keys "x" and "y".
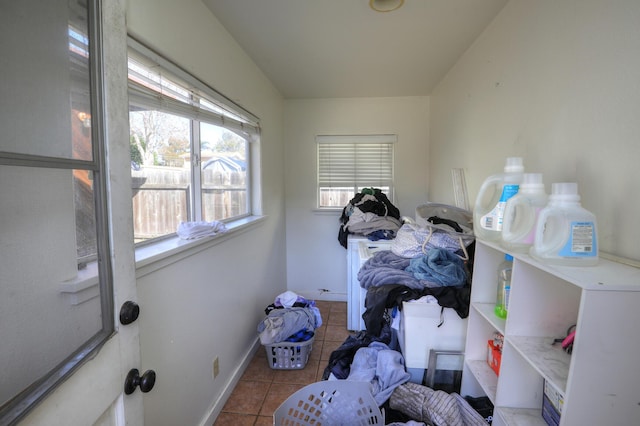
{"x": 261, "y": 389}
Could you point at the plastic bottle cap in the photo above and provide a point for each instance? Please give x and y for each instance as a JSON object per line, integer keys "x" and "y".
{"x": 532, "y": 181}
{"x": 568, "y": 188}
{"x": 514, "y": 165}
{"x": 508, "y": 257}
{"x": 565, "y": 191}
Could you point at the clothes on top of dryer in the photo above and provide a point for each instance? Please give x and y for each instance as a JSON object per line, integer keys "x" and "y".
{"x": 391, "y": 279}
{"x": 369, "y": 223}
{"x": 368, "y": 212}
{"x": 384, "y": 267}
{"x": 437, "y": 268}
{"x": 381, "y": 234}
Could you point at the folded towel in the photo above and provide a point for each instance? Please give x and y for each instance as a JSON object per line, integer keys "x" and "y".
{"x": 193, "y": 230}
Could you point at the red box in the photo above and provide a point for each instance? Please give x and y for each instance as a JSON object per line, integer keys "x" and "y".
{"x": 494, "y": 356}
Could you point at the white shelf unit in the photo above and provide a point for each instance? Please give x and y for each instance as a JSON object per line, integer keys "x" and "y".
{"x": 600, "y": 381}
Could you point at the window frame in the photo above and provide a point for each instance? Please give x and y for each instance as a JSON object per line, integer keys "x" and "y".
{"x": 200, "y": 104}
{"x": 383, "y": 177}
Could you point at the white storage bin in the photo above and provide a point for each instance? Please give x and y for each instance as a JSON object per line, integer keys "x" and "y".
{"x": 419, "y": 332}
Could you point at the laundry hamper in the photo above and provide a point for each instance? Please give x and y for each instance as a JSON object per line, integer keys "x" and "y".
{"x": 330, "y": 403}
{"x": 288, "y": 355}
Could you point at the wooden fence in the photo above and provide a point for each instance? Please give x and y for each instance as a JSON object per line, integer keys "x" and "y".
{"x": 162, "y": 198}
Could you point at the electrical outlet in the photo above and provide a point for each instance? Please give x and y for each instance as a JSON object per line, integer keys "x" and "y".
{"x": 216, "y": 367}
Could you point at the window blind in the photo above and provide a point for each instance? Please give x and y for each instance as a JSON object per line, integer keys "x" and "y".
{"x": 155, "y": 82}
{"x": 355, "y": 161}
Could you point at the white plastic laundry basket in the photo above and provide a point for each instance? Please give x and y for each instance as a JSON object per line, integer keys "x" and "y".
{"x": 288, "y": 355}
{"x": 330, "y": 403}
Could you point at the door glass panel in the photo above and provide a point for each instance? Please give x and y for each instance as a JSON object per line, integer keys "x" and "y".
{"x": 49, "y": 297}
{"x": 44, "y": 63}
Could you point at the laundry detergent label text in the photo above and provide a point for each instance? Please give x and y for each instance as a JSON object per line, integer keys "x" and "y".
{"x": 582, "y": 241}
{"x": 493, "y": 220}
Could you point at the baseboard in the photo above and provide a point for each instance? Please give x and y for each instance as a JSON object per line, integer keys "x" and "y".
{"x": 216, "y": 408}
{"x": 323, "y": 295}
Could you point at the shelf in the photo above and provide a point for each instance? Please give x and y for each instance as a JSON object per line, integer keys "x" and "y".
{"x": 487, "y": 312}
{"x": 549, "y": 360}
{"x": 520, "y": 416}
{"x": 485, "y": 376}
{"x": 606, "y": 275}
{"x": 598, "y": 381}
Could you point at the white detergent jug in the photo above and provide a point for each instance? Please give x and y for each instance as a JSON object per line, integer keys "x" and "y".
{"x": 566, "y": 233}
{"x": 492, "y": 197}
{"x": 521, "y": 214}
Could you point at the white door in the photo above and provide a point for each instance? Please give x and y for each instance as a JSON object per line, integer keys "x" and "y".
{"x": 94, "y": 393}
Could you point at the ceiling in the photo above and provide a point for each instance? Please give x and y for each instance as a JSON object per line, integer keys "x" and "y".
{"x": 343, "y": 48}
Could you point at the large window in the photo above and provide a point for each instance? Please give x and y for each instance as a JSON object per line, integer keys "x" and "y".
{"x": 190, "y": 149}
{"x": 55, "y": 277}
{"x": 349, "y": 163}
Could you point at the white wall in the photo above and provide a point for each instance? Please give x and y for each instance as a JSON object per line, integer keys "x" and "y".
{"x": 315, "y": 259}
{"x": 209, "y": 304}
{"x": 557, "y": 83}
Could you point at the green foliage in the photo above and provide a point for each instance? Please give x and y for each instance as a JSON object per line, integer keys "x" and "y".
{"x": 136, "y": 155}
{"x": 229, "y": 142}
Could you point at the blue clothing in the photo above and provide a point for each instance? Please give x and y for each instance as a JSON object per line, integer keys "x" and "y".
{"x": 439, "y": 266}
{"x": 380, "y": 366}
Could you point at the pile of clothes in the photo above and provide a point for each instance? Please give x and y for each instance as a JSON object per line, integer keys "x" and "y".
{"x": 369, "y": 213}
{"x": 391, "y": 279}
{"x": 370, "y": 359}
{"x": 433, "y": 270}
{"x": 290, "y": 318}
{"x": 433, "y": 407}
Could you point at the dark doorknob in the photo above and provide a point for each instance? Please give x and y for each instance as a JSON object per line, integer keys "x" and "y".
{"x": 129, "y": 312}
{"x": 133, "y": 380}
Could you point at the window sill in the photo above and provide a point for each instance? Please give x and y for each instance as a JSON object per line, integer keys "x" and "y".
{"x": 328, "y": 210}
{"x": 83, "y": 287}
{"x": 155, "y": 256}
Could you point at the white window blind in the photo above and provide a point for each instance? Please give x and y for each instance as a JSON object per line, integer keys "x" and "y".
{"x": 155, "y": 82}
{"x": 352, "y": 162}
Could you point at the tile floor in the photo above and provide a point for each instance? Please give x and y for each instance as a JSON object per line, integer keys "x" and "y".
{"x": 261, "y": 389}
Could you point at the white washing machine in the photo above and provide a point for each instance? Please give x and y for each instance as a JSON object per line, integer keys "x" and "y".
{"x": 359, "y": 250}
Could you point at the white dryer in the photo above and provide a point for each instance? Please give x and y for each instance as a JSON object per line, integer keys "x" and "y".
{"x": 359, "y": 250}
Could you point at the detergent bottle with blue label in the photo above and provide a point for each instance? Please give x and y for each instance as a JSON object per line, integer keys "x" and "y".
{"x": 488, "y": 212}
{"x": 566, "y": 233}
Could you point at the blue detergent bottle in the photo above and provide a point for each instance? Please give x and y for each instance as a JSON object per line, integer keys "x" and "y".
{"x": 488, "y": 212}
